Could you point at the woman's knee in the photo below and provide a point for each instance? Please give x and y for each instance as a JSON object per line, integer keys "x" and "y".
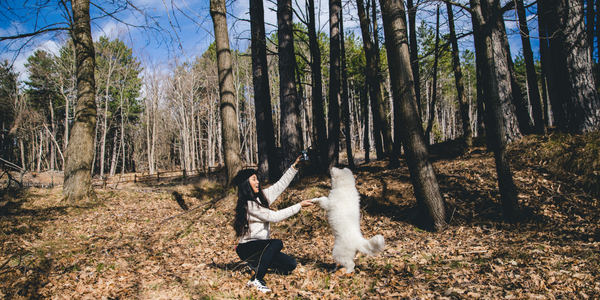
{"x": 292, "y": 265}
{"x": 277, "y": 245}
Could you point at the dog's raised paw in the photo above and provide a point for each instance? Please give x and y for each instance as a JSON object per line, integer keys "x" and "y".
{"x": 316, "y": 200}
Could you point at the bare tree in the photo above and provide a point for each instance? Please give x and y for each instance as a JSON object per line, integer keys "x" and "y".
{"x": 80, "y": 152}
{"x": 458, "y": 79}
{"x": 230, "y": 133}
{"x": 496, "y": 90}
{"x": 320, "y": 125}
{"x": 75, "y": 20}
{"x": 532, "y": 82}
{"x": 414, "y": 49}
{"x": 267, "y": 153}
{"x": 434, "y": 94}
{"x": 291, "y": 138}
{"x": 335, "y": 10}
{"x": 575, "y": 101}
{"x": 380, "y": 125}
{"x": 345, "y": 99}
{"x": 432, "y": 209}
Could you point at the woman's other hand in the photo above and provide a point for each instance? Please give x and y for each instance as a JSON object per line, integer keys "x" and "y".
{"x": 306, "y": 203}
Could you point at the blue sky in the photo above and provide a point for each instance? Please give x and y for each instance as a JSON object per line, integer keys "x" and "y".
{"x": 187, "y": 27}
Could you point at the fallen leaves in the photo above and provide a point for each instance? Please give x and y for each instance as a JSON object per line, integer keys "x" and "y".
{"x": 118, "y": 248}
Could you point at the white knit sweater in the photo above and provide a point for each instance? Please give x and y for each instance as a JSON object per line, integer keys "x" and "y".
{"x": 259, "y": 218}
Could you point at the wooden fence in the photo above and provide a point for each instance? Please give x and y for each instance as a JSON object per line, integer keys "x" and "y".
{"x": 167, "y": 175}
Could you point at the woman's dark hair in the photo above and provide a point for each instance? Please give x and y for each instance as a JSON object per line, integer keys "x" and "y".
{"x": 245, "y": 194}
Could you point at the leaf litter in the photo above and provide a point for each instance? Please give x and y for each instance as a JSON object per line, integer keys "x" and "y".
{"x": 121, "y": 247}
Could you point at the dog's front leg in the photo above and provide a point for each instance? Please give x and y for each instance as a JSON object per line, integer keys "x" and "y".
{"x": 322, "y": 201}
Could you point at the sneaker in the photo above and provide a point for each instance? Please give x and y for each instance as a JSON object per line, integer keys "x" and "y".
{"x": 259, "y": 284}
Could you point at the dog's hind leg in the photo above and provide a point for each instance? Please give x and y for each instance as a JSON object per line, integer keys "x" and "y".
{"x": 344, "y": 257}
{"x": 349, "y": 264}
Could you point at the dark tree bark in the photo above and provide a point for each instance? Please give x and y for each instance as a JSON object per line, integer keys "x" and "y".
{"x": 385, "y": 128}
{"x": 230, "y": 129}
{"x": 546, "y": 80}
{"x": 520, "y": 103}
{"x": 590, "y": 21}
{"x": 597, "y": 39}
{"x": 481, "y": 131}
{"x": 364, "y": 100}
{"x": 345, "y": 100}
{"x": 80, "y": 151}
{"x": 436, "y": 56}
{"x": 317, "y": 90}
{"x": 381, "y": 129}
{"x": 432, "y": 209}
{"x": 373, "y": 87}
{"x": 458, "y": 79}
{"x": 291, "y": 137}
{"x": 532, "y": 81}
{"x": 335, "y": 9}
{"x": 575, "y": 102}
{"x": 268, "y": 166}
{"x": 414, "y": 50}
{"x": 497, "y": 94}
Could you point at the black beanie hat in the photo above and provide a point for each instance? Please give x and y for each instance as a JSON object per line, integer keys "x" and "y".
{"x": 243, "y": 175}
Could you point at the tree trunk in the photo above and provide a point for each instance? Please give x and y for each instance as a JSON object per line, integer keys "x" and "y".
{"x": 104, "y": 127}
{"x": 345, "y": 100}
{"x": 373, "y": 75}
{"x": 525, "y": 124}
{"x": 590, "y": 20}
{"x": 598, "y": 39}
{"x": 547, "y": 86}
{"x": 80, "y": 152}
{"x": 317, "y": 88}
{"x": 230, "y": 130}
{"x": 434, "y": 87}
{"x": 335, "y": 10}
{"x": 39, "y": 157}
{"x": 379, "y": 105}
{"x": 458, "y": 79}
{"x": 268, "y": 165}
{"x": 575, "y": 102}
{"x": 496, "y": 89}
{"x": 370, "y": 71}
{"x": 22, "y": 148}
{"x": 291, "y": 138}
{"x": 414, "y": 50}
{"x": 114, "y": 156}
{"x": 52, "y": 145}
{"x": 364, "y": 100}
{"x": 532, "y": 82}
{"x": 432, "y": 210}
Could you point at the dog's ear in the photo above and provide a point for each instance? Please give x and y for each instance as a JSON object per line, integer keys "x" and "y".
{"x": 334, "y": 172}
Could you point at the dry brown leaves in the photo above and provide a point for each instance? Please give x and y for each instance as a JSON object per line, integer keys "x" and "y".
{"x": 116, "y": 249}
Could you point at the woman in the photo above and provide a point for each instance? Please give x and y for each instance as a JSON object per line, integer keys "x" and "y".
{"x": 252, "y": 225}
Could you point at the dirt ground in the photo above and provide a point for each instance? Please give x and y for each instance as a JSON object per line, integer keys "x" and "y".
{"x": 138, "y": 243}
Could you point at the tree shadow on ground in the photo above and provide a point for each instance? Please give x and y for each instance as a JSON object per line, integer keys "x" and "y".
{"x": 29, "y": 269}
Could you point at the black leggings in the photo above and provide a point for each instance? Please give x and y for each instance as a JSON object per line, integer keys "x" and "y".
{"x": 266, "y": 254}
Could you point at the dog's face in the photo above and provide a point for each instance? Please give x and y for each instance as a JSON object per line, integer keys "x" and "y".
{"x": 341, "y": 178}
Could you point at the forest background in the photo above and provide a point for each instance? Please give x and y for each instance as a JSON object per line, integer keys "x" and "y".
{"x": 401, "y": 87}
{"x": 160, "y": 113}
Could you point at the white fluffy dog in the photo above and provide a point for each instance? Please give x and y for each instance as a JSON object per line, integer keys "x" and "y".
{"x": 343, "y": 213}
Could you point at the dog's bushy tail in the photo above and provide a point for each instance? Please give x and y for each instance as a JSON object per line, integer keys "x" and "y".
{"x": 373, "y": 246}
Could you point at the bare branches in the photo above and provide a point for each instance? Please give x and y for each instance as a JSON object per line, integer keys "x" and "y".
{"x": 32, "y": 34}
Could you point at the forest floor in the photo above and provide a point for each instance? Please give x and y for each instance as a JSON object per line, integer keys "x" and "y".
{"x": 138, "y": 243}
